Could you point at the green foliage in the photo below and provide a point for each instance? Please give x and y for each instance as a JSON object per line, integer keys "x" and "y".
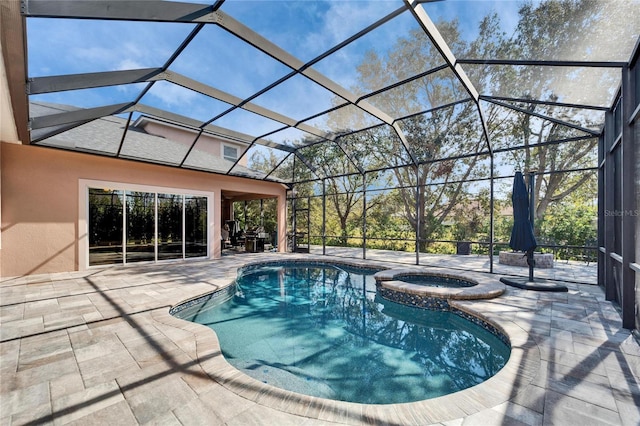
{"x": 254, "y": 219}
{"x": 571, "y": 224}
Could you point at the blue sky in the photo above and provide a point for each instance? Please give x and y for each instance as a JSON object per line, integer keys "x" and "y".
{"x": 304, "y": 28}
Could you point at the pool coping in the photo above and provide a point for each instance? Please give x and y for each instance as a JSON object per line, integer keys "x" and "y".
{"x": 519, "y": 371}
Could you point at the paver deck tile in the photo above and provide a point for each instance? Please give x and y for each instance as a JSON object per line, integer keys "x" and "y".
{"x": 519, "y": 413}
{"x": 85, "y": 402}
{"x": 562, "y": 409}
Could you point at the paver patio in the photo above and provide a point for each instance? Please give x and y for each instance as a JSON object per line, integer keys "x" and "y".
{"x": 99, "y": 347}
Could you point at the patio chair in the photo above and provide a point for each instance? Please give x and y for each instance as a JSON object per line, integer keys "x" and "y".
{"x": 226, "y": 243}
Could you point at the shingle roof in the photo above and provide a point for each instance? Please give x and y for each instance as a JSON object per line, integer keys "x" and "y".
{"x": 103, "y": 136}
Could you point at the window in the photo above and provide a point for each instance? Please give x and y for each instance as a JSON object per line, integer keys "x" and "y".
{"x": 128, "y": 226}
{"x": 230, "y": 153}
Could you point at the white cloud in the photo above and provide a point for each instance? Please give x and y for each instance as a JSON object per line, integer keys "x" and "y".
{"x": 128, "y": 64}
{"x": 172, "y": 95}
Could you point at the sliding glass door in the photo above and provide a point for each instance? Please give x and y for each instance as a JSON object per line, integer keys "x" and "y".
{"x": 137, "y": 226}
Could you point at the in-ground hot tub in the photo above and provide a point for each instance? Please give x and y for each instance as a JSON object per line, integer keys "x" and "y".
{"x": 435, "y": 280}
{"x": 433, "y": 288}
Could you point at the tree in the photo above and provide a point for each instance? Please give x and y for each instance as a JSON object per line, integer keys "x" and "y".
{"x": 344, "y": 182}
{"x": 553, "y": 30}
{"x": 259, "y": 213}
{"x": 432, "y": 138}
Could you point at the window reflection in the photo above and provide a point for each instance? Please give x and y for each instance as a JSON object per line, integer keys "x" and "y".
{"x": 195, "y": 226}
{"x": 140, "y": 226}
{"x": 169, "y": 226}
{"x": 105, "y": 226}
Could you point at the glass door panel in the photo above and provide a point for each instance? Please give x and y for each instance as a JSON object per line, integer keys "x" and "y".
{"x": 105, "y": 226}
{"x": 140, "y": 226}
{"x": 195, "y": 226}
{"x": 169, "y": 226}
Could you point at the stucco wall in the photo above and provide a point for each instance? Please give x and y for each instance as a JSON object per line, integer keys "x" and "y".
{"x": 39, "y": 188}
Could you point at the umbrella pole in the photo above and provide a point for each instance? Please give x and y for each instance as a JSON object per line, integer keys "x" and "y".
{"x": 530, "y": 259}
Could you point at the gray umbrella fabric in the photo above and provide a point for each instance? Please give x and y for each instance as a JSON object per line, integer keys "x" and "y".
{"x": 522, "y": 238}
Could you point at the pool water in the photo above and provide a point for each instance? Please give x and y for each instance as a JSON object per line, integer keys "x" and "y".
{"x": 320, "y": 330}
{"x": 435, "y": 281}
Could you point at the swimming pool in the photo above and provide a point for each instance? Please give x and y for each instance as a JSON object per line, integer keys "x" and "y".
{"x": 321, "y": 330}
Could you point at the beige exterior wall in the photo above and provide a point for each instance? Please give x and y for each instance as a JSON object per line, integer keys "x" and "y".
{"x": 40, "y": 202}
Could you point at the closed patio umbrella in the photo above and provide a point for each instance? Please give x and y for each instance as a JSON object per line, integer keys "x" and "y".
{"x": 522, "y": 237}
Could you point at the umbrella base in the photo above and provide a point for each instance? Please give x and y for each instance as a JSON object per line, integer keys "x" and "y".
{"x": 536, "y": 285}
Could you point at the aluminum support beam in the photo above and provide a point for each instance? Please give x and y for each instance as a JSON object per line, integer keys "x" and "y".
{"x": 278, "y": 165}
{"x": 235, "y": 101}
{"x": 131, "y": 10}
{"x": 124, "y": 134}
{"x": 405, "y": 143}
{"x": 485, "y": 129}
{"x": 61, "y": 83}
{"x": 629, "y": 203}
{"x": 547, "y": 143}
{"x": 608, "y": 230}
{"x": 539, "y": 102}
{"x": 449, "y": 105}
{"x": 364, "y": 216}
{"x": 324, "y": 217}
{"x": 81, "y": 115}
{"x": 419, "y": 206}
{"x": 545, "y": 117}
{"x": 248, "y": 35}
{"x": 521, "y": 62}
{"x": 405, "y": 81}
{"x": 39, "y": 135}
{"x": 432, "y": 31}
{"x": 307, "y": 164}
{"x": 346, "y": 154}
{"x": 602, "y": 200}
{"x": 492, "y": 215}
